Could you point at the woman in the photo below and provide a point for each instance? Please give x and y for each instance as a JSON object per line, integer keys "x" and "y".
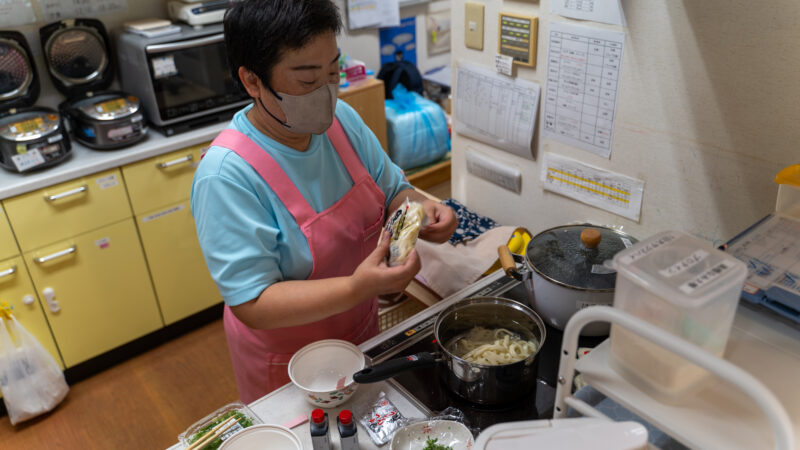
{"x": 290, "y": 200}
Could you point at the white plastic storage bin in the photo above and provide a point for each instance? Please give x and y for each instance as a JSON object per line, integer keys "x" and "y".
{"x": 682, "y": 285}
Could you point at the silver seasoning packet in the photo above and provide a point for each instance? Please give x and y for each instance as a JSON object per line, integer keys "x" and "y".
{"x": 382, "y": 419}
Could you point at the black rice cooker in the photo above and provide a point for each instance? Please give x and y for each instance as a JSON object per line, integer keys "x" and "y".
{"x": 78, "y": 57}
{"x": 30, "y": 137}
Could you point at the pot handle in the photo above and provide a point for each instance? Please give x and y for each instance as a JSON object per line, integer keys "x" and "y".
{"x": 508, "y": 262}
{"x": 392, "y": 367}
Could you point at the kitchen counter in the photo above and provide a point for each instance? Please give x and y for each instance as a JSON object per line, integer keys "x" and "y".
{"x": 84, "y": 161}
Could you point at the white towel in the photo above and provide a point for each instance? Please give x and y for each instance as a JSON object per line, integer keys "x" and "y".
{"x": 448, "y": 268}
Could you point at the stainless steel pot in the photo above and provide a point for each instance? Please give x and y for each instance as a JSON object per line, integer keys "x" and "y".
{"x": 565, "y": 270}
{"x": 477, "y": 383}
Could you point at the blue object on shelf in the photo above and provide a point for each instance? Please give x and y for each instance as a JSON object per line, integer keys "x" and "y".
{"x": 416, "y": 129}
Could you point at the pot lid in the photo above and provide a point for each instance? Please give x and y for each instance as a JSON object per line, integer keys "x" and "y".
{"x": 574, "y": 255}
{"x": 19, "y": 84}
{"x": 77, "y": 55}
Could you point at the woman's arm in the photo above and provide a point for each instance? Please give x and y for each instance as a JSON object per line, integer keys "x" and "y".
{"x": 291, "y": 303}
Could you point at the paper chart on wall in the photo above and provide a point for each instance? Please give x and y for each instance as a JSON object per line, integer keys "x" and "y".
{"x": 613, "y": 192}
{"x": 66, "y": 9}
{"x": 606, "y": 11}
{"x": 496, "y": 109}
{"x": 14, "y": 13}
{"x": 583, "y": 68}
{"x": 373, "y": 13}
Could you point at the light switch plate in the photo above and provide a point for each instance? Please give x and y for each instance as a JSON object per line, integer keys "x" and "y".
{"x": 473, "y": 25}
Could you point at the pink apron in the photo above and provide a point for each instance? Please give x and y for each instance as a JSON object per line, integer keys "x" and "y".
{"x": 339, "y": 238}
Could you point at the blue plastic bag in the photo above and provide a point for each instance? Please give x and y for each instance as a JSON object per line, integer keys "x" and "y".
{"x": 416, "y": 129}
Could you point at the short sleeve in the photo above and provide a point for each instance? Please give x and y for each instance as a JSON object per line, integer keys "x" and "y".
{"x": 387, "y": 175}
{"x": 239, "y": 241}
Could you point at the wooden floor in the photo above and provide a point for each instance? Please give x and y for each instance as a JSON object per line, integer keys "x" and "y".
{"x": 143, "y": 403}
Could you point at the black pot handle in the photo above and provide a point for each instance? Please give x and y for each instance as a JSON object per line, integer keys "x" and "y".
{"x": 392, "y": 367}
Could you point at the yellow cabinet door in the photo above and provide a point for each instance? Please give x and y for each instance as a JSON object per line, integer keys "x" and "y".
{"x": 163, "y": 180}
{"x": 183, "y": 284}
{"x": 17, "y": 291}
{"x": 8, "y": 245}
{"x": 100, "y": 283}
{"x": 57, "y": 212}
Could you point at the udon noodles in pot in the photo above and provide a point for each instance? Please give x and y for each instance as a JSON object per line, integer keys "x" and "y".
{"x": 492, "y": 347}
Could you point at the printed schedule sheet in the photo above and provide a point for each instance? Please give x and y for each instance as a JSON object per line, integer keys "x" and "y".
{"x": 583, "y": 68}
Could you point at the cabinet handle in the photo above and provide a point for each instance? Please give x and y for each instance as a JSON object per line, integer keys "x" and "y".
{"x": 55, "y": 255}
{"x": 185, "y": 159}
{"x": 78, "y": 190}
{"x": 10, "y": 271}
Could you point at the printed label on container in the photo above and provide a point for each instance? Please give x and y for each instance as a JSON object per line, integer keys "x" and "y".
{"x": 684, "y": 264}
{"x": 161, "y": 214}
{"x": 107, "y": 182}
{"x": 54, "y": 138}
{"x": 103, "y": 243}
{"x": 120, "y": 132}
{"x": 28, "y": 160}
{"x": 164, "y": 66}
{"x": 647, "y": 249}
{"x": 707, "y": 276}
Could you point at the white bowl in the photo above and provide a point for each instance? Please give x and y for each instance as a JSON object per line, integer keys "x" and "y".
{"x": 263, "y": 437}
{"x": 446, "y": 432}
{"x": 323, "y": 371}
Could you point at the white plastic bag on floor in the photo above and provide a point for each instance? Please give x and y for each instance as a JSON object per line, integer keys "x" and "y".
{"x": 30, "y": 379}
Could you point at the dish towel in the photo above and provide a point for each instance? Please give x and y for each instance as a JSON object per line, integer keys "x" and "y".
{"x": 448, "y": 268}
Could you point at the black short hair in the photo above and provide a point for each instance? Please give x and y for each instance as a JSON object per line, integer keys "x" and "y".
{"x": 258, "y": 32}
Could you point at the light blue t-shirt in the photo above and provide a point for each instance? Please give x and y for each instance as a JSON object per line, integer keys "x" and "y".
{"x": 249, "y": 238}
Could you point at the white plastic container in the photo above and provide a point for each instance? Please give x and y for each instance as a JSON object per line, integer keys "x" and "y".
{"x": 682, "y": 285}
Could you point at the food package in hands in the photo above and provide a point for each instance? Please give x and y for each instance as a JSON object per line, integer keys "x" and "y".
{"x": 404, "y": 225}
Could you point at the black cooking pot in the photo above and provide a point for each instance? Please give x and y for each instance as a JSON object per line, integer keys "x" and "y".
{"x": 477, "y": 383}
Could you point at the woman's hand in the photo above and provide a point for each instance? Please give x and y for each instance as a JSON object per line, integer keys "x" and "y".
{"x": 442, "y": 222}
{"x": 373, "y": 277}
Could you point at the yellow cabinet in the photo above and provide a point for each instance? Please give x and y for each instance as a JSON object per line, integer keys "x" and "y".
{"x": 162, "y": 180}
{"x": 183, "y": 284}
{"x": 100, "y": 283}
{"x": 8, "y": 245}
{"x": 67, "y": 209}
{"x": 17, "y": 291}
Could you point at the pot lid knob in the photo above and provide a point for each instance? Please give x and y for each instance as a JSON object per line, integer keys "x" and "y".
{"x": 591, "y": 237}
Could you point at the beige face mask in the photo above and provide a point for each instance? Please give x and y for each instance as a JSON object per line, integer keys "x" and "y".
{"x": 310, "y": 113}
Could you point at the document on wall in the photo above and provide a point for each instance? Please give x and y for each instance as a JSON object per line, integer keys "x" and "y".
{"x": 373, "y": 13}
{"x": 14, "y": 13}
{"x": 496, "y": 109}
{"x": 67, "y": 9}
{"x": 613, "y": 192}
{"x": 606, "y": 11}
{"x": 583, "y": 68}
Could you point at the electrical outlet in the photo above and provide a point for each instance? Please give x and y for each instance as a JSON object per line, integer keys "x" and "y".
{"x": 492, "y": 171}
{"x": 473, "y": 25}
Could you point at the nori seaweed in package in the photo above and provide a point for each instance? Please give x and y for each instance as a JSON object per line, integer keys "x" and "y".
{"x": 404, "y": 225}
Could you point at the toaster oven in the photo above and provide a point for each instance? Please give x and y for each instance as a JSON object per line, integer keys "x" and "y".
{"x": 182, "y": 79}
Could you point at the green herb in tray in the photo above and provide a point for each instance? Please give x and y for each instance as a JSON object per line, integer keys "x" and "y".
{"x": 242, "y": 419}
{"x": 430, "y": 444}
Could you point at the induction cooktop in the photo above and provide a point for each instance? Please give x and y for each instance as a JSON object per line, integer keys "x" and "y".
{"x": 425, "y": 386}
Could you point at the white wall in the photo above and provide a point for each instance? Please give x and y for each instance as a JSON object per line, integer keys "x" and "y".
{"x": 708, "y": 113}
{"x": 360, "y": 44}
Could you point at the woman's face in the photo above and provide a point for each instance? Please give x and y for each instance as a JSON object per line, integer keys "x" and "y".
{"x": 303, "y": 70}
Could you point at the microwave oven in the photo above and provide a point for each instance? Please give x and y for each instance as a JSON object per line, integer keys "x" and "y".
{"x": 182, "y": 79}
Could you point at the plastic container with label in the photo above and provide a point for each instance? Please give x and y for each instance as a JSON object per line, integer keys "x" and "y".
{"x": 682, "y": 285}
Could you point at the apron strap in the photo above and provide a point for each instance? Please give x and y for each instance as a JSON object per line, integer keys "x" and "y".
{"x": 346, "y": 152}
{"x": 269, "y": 170}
